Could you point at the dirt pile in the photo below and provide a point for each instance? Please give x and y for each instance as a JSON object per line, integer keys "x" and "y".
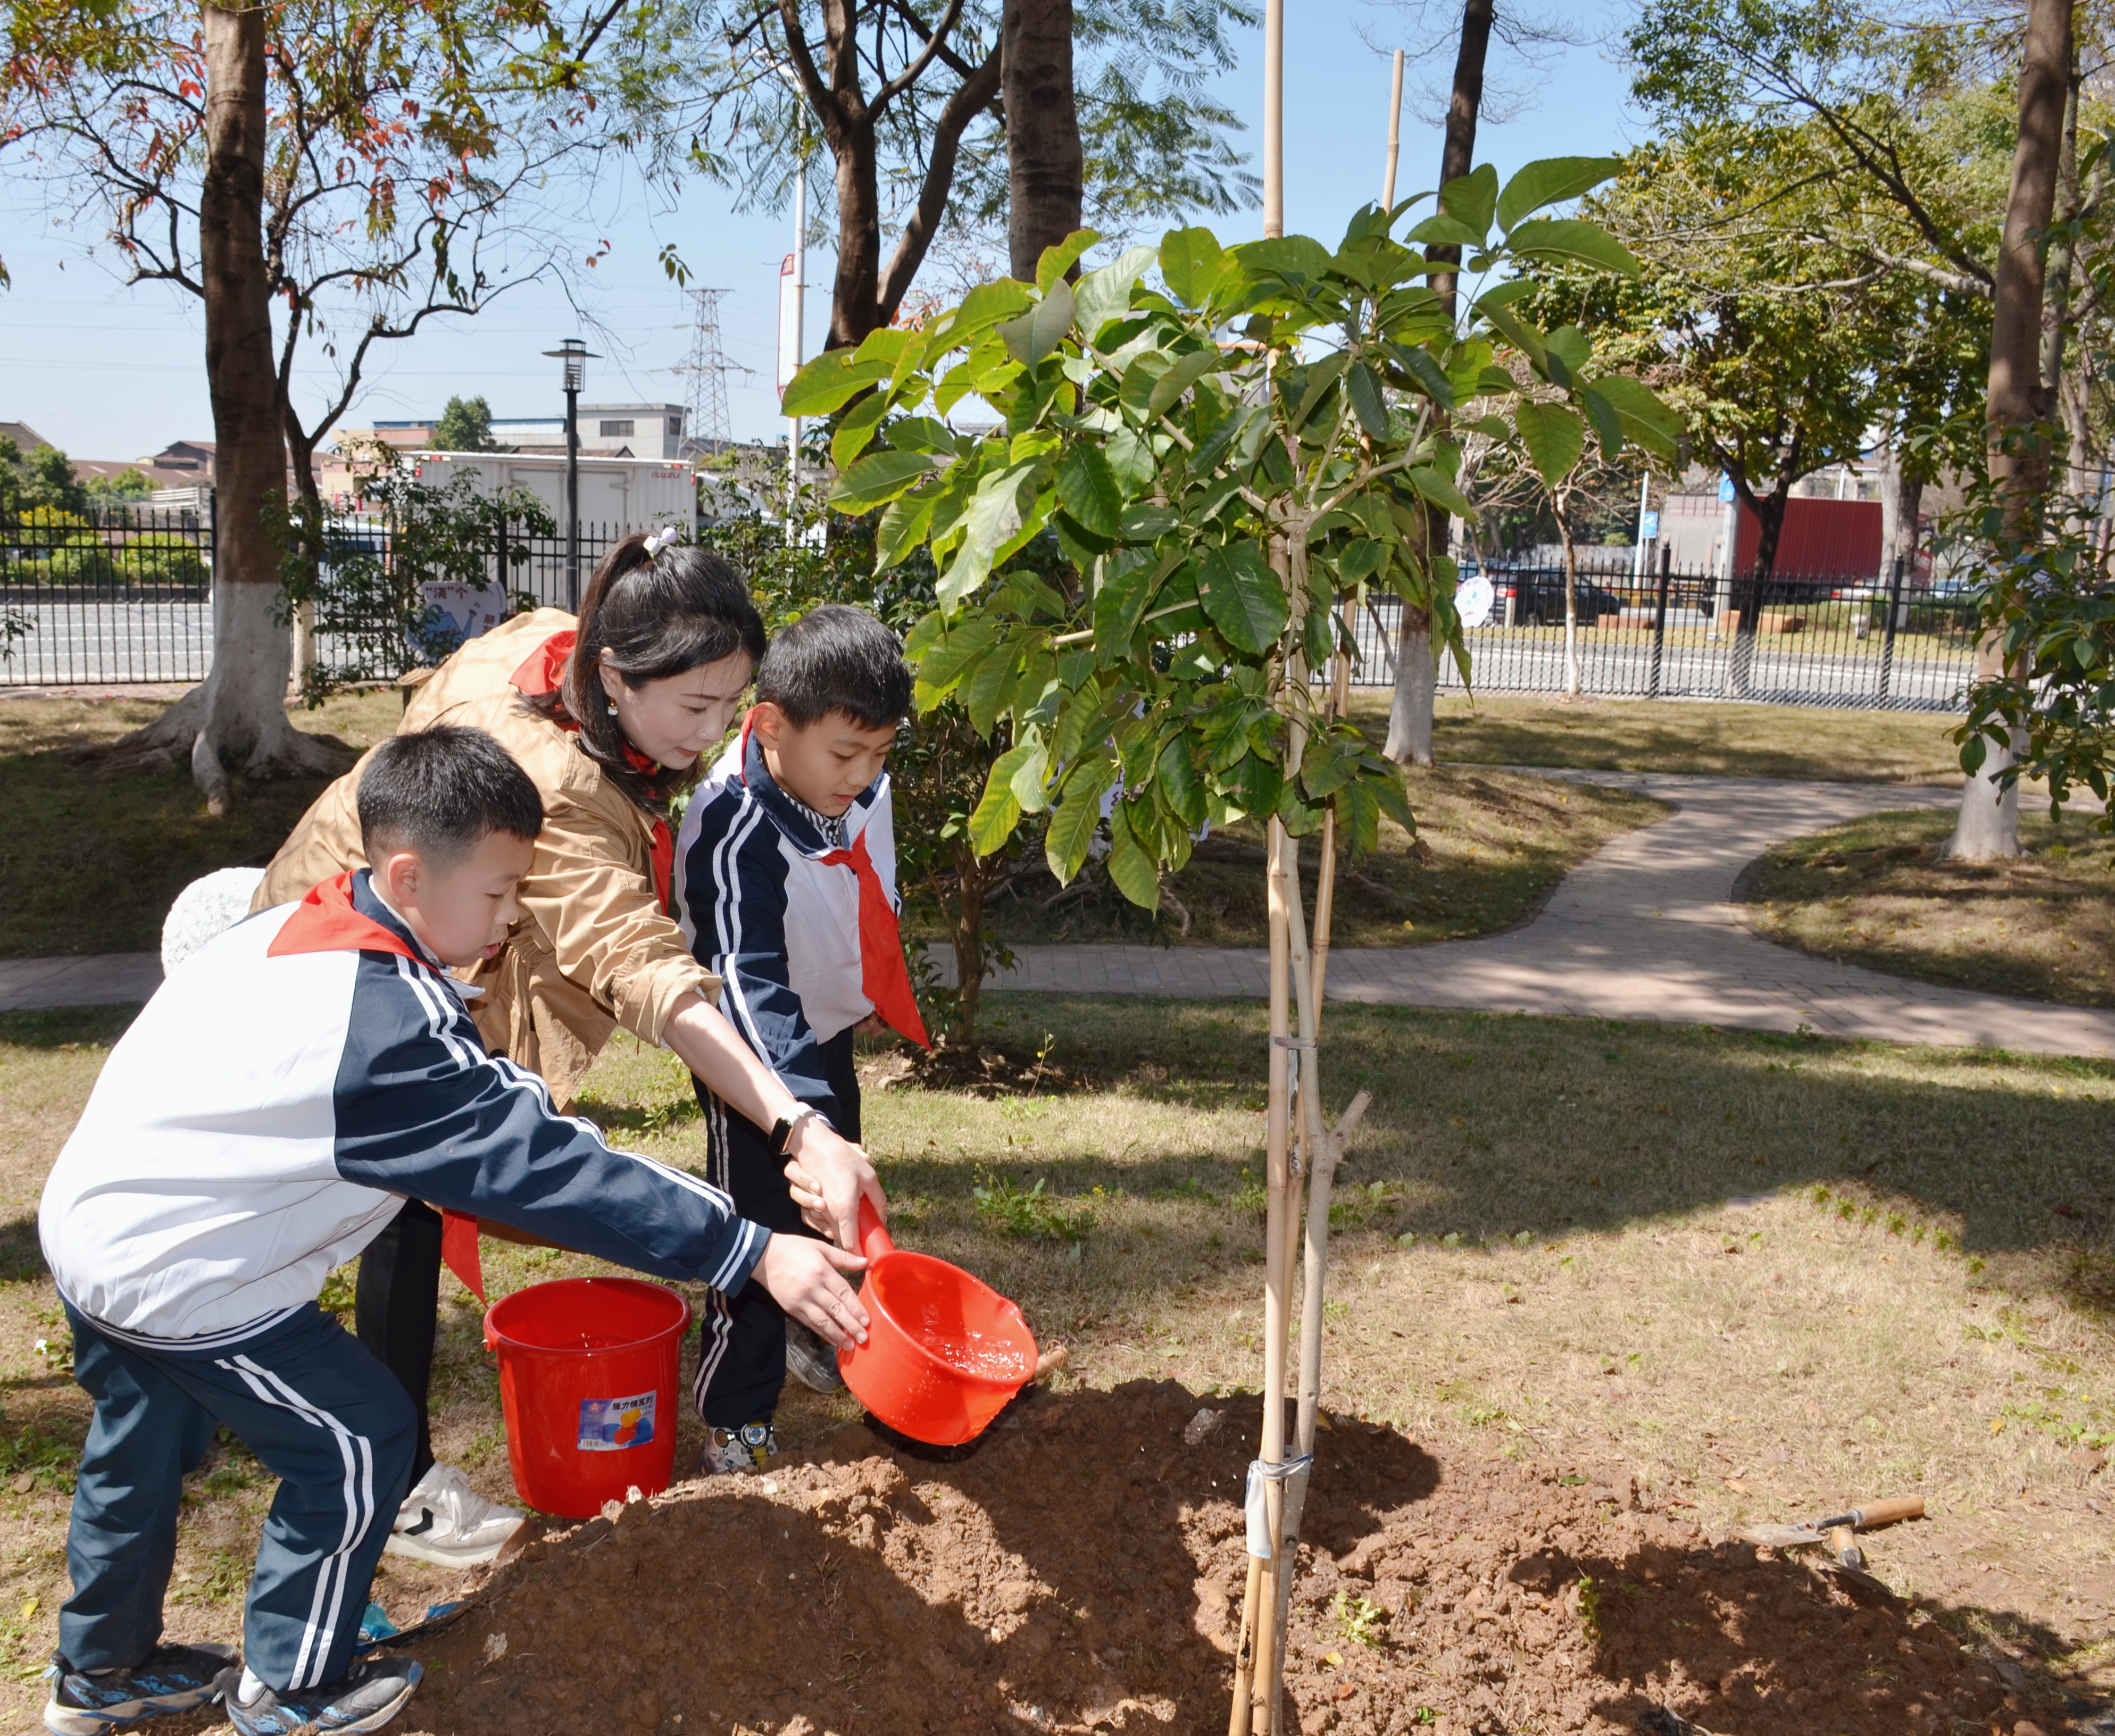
{"x": 1081, "y": 1567}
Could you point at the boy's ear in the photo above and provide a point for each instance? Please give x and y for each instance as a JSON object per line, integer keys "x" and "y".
{"x": 399, "y": 873}
{"x": 768, "y": 720}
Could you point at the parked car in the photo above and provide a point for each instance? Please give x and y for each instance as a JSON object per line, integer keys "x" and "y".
{"x": 1536, "y": 599}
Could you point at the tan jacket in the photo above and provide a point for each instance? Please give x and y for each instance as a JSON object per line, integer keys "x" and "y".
{"x": 595, "y": 948}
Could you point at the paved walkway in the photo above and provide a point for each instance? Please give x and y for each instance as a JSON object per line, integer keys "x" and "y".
{"x": 1643, "y": 930}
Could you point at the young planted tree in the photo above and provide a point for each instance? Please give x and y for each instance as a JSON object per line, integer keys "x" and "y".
{"x": 1229, "y": 459}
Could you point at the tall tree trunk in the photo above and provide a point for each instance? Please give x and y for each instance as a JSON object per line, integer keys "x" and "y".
{"x": 236, "y": 722}
{"x": 1902, "y": 502}
{"x": 1045, "y": 167}
{"x": 2018, "y": 412}
{"x": 1417, "y": 668}
{"x": 855, "y": 298}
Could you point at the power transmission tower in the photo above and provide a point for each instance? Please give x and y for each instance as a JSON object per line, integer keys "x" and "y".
{"x": 705, "y": 402}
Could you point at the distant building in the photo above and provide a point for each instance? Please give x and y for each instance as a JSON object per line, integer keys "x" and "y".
{"x": 607, "y": 431}
{"x": 25, "y": 437}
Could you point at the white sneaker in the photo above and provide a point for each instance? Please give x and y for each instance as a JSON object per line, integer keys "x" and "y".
{"x": 444, "y": 1520}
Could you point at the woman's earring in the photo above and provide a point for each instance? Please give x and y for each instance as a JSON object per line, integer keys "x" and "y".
{"x": 613, "y": 708}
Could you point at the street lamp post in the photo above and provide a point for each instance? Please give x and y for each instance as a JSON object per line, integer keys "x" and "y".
{"x": 573, "y": 356}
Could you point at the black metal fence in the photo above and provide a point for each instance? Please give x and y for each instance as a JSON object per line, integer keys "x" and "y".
{"x": 1790, "y": 639}
{"x": 126, "y": 598}
{"x": 119, "y": 597}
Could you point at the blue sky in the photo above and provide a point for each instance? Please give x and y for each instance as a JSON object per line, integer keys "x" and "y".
{"x": 109, "y": 372}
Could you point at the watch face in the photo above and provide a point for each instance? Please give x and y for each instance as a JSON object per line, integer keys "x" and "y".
{"x": 754, "y": 1434}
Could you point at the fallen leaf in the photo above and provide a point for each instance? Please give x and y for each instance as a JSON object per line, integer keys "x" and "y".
{"x": 24, "y": 1483}
{"x": 29, "y": 1608}
{"x": 1332, "y": 1658}
{"x": 1997, "y": 1425}
{"x": 1736, "y": 1486}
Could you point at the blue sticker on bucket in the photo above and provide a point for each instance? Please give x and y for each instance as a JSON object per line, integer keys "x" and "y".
{"x": 611, "y": 1425}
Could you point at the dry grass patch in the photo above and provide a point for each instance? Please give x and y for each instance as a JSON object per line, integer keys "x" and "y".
{"x": 1490, "y": 847}
{"x": 1769, "y": 1275}
{"x": 1684, "y": 735}
{"x": 1876, "y": 893}
{"x": 89, "y": 865}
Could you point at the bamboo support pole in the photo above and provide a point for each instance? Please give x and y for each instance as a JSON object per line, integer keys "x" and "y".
{"x": 1395, "y": 137}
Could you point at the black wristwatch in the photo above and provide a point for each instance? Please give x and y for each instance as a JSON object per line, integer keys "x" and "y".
{"x": 782, "y": 1130}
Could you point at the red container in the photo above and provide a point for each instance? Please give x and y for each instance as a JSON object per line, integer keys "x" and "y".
{"x": 944, "y": 1351}
{"x": 589, "y": 1377}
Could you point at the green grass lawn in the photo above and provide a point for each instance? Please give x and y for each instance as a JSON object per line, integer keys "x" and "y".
{"x": 89, "y": 865}
{"x": 1491, "y": 846}
{"x": 1876, "y": 893}
{"x": 1725, "y": 740}
{"x": 1769, "y": 1275}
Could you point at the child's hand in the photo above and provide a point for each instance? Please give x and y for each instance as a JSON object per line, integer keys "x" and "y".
{"x": 802, "y": 1273}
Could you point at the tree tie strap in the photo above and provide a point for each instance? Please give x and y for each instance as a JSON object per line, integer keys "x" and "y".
{"x": 1294, "y": 1043}
{"x": 1263, "y": 1472}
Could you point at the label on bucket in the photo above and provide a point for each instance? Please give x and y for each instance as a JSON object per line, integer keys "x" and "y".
{"x": 610, "y": 1425}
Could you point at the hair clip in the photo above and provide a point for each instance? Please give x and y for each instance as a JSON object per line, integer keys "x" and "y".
{"x": 664, "y": 537}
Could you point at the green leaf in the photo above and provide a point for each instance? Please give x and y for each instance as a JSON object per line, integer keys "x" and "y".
{"x": 1255, "y": 782}
{"x": 1607, "y": 425}
{"x": 941, "y": 667}
{"x": 1554, "y": 435}
{"x": 993, "y": 516}
{"x": 1439, "y": 489}
{"x": 1191, "y": 264}
{"x": 1131, "y": 866}
{"x": 1177, "y": 779}
{"x": 1647, "y": 421}
{"x": 981, "y": 309}
{"x": 1422, "y": 366}
{"x": 903, "y": 526}
{"x": 1550, "y": 181}
{"x": 984, "y": 689}
{"x": 1569, "y": 238}
{"x": 877, "y": 478}
{"x": 1128, "y": 582}
{"x": 1105, "y": 295}
{"x": 1367, "y": 403}
{"x": 1041, "y": 328}
{"x": 1132, "y": 460}
{"x": 1087, "y": 489}
{"x": 1073, "y": 820}
{"x": 1243, "y": 596}
{"x": 1470, "y": 198}
{"x": 1442, "y": 231}
{"x": 1027, "y": 778}
{"x": 1293, "y": 257}
{"x": 996, "y": 815}
{"x": 1056, "y": 261}
{"x": 857, "y": 428}
{"x": 1185, "y": 373}
{"x": 830, "y": 382}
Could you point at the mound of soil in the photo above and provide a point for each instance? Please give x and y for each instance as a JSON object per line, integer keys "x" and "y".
{"x": 1081, "y": 1569}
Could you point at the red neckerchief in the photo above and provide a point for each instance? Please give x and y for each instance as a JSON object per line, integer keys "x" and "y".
{"x": 543, "y": 672}
{"x": 884, "y": 978}
{"x": 325, "y": 921}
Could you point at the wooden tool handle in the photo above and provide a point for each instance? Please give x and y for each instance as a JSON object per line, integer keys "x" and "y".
{"x": 1875, "y": 1514}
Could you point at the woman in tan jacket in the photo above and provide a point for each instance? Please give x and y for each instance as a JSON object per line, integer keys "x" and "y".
{"x": 607, "y": 715}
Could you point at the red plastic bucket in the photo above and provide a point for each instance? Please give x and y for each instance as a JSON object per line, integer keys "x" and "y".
{"x": 944, "y": 1351}
{"x": 589, "y": 1374}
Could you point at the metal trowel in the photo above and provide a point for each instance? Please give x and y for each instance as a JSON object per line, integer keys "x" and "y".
{"x": 1836, "y": 1533}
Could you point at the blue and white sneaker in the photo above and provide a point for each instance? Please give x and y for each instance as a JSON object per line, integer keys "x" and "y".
{"x": 749, "y": 1447}
{"x": 366, "y": 1698}
{"x": 174, "y": 1679}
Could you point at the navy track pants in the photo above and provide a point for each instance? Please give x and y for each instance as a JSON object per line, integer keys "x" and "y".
{"x": 325, "y": 1418}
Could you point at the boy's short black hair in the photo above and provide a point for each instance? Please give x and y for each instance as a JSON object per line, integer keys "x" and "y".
{"x": 439, "y": 792}
{"x": 835, "y": 658}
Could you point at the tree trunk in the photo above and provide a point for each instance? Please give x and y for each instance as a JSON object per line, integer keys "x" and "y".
{"x": 1045, "y": 167}
{"x": 1416, "y": 670}
{"x": 1416, "y": 685}
{"x": 2017, "y": 416}
{"x": 1769, "y": 511}
{"x": 967, "y": 922}
{"x": 236, "y": 722}
{"x": 1901, "y": 502}
{"x": 855, "y": 297}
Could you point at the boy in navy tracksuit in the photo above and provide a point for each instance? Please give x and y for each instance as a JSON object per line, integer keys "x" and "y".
{"x": 268, "y": 1113}
{"x": 786, "y": 874}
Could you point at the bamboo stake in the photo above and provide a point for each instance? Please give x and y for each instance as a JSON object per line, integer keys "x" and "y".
{"x": 1325, "y": 878}
{"x": 1259, "y": 1647}
{"x": 1395, "y": 137}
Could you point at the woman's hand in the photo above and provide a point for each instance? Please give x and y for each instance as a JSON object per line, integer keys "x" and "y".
{"x": 828, "y": 1176}
{"x": 802, "y": 1273}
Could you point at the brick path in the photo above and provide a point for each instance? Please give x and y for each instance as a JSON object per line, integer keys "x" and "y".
{"x": 1643, "y": 930}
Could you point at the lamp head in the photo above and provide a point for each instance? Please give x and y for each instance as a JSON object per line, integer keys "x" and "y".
{"x": 574, "y": 356}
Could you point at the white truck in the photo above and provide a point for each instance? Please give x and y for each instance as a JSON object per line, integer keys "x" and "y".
{"x": 617, "y": 495}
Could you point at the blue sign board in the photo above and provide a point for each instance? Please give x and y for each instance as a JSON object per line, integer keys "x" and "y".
{"x": 1648, "y": 526}
{"x": 1725, "y": 489}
